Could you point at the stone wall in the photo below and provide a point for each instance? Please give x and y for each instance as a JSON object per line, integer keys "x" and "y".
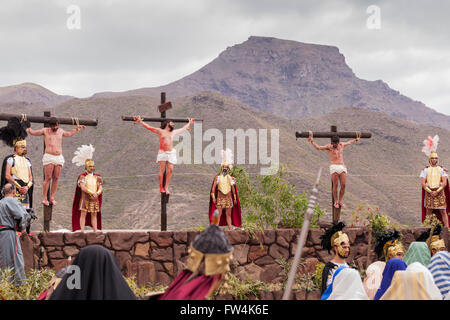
{"x": 159, "y": 256}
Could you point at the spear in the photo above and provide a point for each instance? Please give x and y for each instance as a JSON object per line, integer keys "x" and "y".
{"x": 302, "y": 238}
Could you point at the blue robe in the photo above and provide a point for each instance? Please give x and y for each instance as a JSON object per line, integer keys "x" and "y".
{"x": 11, "y": 214}
{"x": 388, "y": 273}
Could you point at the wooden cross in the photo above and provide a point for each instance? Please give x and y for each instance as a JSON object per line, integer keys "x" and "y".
{"x": 162, "y": 108}
{"x": 330, "y": 134}
{"x": 45, "y": 120}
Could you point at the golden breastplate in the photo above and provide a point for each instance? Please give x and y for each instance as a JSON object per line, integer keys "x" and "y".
{"x": 20, "y": 169}
{"x": 91, "y": 183}
{"x": 434, "y": 177}
{"x": 224, "y": 184}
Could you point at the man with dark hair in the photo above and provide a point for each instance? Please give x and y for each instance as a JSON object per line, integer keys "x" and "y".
{"x": 53, "y": 159}
{"x": 338, "y": 241}
{"x": 167, "y": 156}
{"x": 338, "y": 170}
{"x": 13, "y": 217}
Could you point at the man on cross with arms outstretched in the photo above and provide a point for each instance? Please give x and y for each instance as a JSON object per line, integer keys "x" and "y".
{"x": 53, "y": 159}
{"x": 167, "y": 155}
{"x": 338, "y": 170}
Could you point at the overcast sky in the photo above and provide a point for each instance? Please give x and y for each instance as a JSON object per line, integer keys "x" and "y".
{"x": 130, "y": 44}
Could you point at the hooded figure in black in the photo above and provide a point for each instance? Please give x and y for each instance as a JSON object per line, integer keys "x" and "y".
{"x": 101, "y": 278}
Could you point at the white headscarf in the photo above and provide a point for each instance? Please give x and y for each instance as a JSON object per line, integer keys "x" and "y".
{"x": 348, "y": 286}
{"x": 430, "y": 286}
{"x": 374, "y": 275}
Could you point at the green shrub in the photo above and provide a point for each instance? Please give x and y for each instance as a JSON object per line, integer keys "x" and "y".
{"x": 271, "y": 202}
{"x": 35, "y": 283}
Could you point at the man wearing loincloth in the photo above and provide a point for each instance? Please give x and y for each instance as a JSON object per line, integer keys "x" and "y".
{"x": 53, "y": 159}
{"x": 338, "y": 170}
{"x": 167, "y": 155}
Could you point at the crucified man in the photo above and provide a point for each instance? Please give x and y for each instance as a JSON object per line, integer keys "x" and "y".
{"x": 167, "y": 156}
{"x": 53, "y": 159}
{"x": 338, "y": 170}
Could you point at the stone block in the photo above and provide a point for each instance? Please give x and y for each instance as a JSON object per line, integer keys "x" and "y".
{"x": 58, "y": 264}
{"x": 313, "y": 295}
{"x": 180, "y": 236}
{"x": 145, "y": 273}
{"x": 270, "y": 272}
{"x": 256, "y": 252}
{"x": 300, "y": 295}
{"x": 162, "y": 238}
{"x": 179, "y": 251}
{"x": 237, "y": 237}
{"x": 122, "y": 258}
{"x": 240, "y": 253}
{"x": 95, "y": 238}
{"x": 314, "y": 236}
{"x": 269, "y": 236}
{"x": 124, "y": 241}
{"x": 52, "y": 239}
{"x": 142, "y": 250}
{"x": 277, "y": 252}
{"x": 250, "y": 271}
{"x": 71, "y": 251}
{"x": 58, "y": 254}
{"x": 162, "y": 254}
{"x": 75, "y": 238}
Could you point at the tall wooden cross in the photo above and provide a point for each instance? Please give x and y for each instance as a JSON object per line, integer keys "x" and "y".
{"x": 330, "y": 134}
{"x": 45, "y": 120}
{"x": 162, "y": 108}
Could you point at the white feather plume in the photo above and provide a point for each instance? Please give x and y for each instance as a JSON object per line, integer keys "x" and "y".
{"x": 430, "y": 144}
{"x": 227, "y": 157}
{"x": 82, "y": 153}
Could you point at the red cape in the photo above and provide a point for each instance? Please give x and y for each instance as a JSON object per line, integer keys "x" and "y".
{"x": 235, "y": 212}
{"x": 447, "y": 198}
{"x": 76, "y": 213}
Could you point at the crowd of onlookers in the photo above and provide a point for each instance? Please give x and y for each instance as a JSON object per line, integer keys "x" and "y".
{"x": 417, "y": 276}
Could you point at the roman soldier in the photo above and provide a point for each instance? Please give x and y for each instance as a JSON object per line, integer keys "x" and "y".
{"x": 389, "y": 246}
{"x": 87, "y": 202}
{"x": 432, "y": 239}
{"x": 435, "y": 187}
{"x": 209, "y": 259}
{"x": 16, "y": 168}
{"x": 334, "y": 239}
{"x": 224, "y": 195}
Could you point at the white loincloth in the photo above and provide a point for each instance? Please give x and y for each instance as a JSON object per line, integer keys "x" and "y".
{"x": 170, "y": 156}
{"x": 52, "y": 159}
{"x": 337, "y": 168}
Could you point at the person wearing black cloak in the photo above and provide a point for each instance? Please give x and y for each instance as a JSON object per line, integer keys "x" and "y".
{"x": 100, "y": 278}
{"x": 338, "y": 241}
{"x": 16, "y": 168}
